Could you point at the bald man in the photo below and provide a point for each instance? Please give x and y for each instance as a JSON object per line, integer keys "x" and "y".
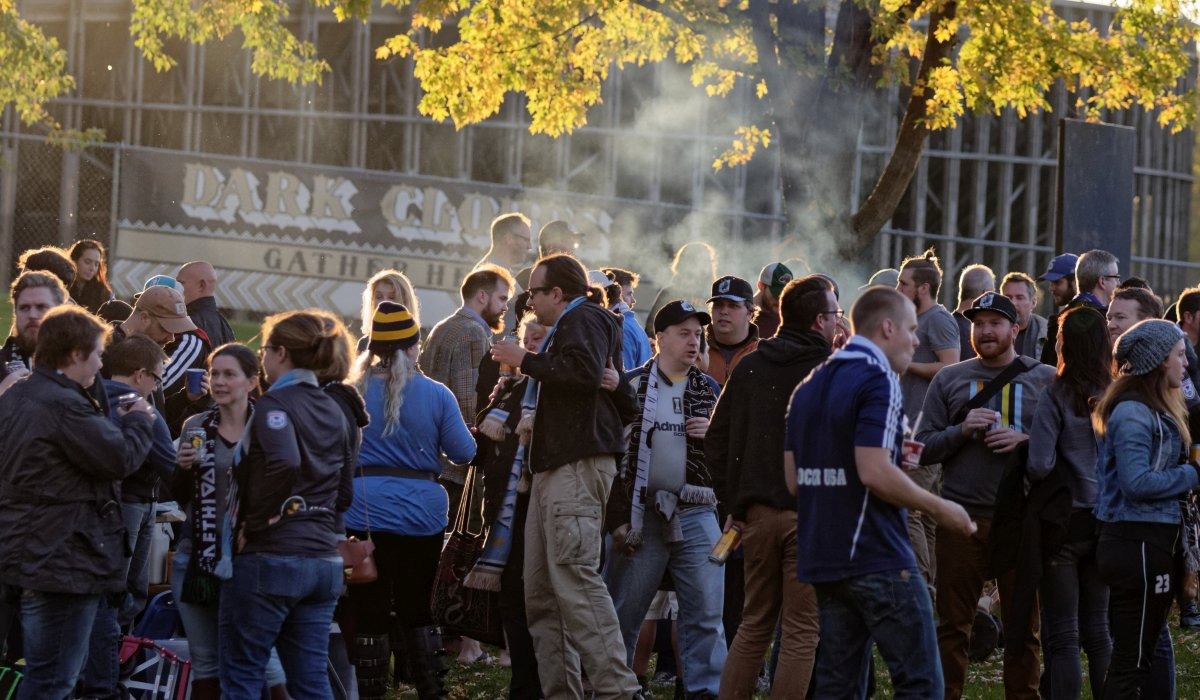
{"x": 199, "y": 281}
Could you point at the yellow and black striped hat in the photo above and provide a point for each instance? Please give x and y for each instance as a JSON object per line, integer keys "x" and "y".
{"x": 392, "y": 327}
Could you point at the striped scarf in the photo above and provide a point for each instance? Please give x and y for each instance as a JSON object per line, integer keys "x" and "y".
{"x": 698, "y": 401}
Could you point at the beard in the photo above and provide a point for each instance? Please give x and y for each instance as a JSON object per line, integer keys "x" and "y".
{"x": 27, "y": 340}
{"x": 991, "y": 347}
{"x": 495, "y": 321}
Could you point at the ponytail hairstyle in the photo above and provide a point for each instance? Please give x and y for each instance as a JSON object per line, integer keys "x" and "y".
{"x": 394, "y": 364}
{"x": 568, "y": 274}
{"x": 315, "y": 340}
{"x": 394, "y": 341}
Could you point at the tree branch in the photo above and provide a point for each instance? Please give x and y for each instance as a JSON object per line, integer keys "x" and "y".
{"x": 910, "y": 142}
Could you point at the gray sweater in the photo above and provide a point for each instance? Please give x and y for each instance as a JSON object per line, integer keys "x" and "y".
{"x": 971, "y": 471}
{"x": 1061, "y": 436}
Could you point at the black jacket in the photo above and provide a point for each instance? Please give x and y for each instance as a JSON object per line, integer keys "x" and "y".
{"x": 355, "y": 412}
{"x": 61, "y": 462}
{"x": 299, "y": 446}
{"x": 495, "y": 459}
{"x": 575, "y": 417}
{"x": 91, "y": 294}
{"x": 204, "y": 314}
{"x": 1049, "y": 353}
{"x": 744, "y": 443}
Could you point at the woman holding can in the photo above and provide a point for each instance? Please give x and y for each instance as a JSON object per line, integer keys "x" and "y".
{"x": 398, "y": 501}
{"x": 286, "y": 574}
{"x": 201, "y": 487}
{"x": 1142, "y": 470}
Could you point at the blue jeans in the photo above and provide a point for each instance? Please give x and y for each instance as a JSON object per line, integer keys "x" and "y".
{"x": 139, "y": 522}
{"x": 280, "y": 601}
{"x": 633, "y": 579}
{"x": 1075, "y": 610}
{"x": 893, "y": 609}
{"x": 101, "y": 673}
{"x": 57, "y": 627}
{"x": 200, "y": 626}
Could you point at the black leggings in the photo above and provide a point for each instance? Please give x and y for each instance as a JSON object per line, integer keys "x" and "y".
{"x": 407, "y": 567}
{"x": 1138, "y": 563}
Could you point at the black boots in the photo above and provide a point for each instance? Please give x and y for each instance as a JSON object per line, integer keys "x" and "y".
{"x": 371, "y": 665}
{"x": 423, "y": 647}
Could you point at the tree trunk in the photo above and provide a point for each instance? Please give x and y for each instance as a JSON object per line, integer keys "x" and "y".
{"x": 910, "y": 142}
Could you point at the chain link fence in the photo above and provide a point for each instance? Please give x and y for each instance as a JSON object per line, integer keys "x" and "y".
{"x": 52, "y": 196}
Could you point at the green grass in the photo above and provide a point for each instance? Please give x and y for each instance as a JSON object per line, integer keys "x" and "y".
{"x": 984, "y": 680}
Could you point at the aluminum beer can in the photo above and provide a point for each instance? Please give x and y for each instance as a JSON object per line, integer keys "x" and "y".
{"x": 14, "y": 366}
{"x": 724, "y": 546}
{"x": 197, "y": 438}
{"x": 126, "y": 401}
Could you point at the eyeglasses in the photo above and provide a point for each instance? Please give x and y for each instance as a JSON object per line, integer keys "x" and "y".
{"x": 539, "y": 290}
{"x": 840, "y": 313}
{"x": 157, "y": 378}
{"x": 262, "y": 351}
{"x": 1111, "y": 277}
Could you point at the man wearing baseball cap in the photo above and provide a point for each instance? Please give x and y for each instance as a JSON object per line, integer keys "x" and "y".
{"x": 771, "y": 281}
{"x": 732, "y": 334}
{"x": 1096, "y": 277}
{"x": 974, "y": 419}
{"x": 159, "y": 313}
{"x": 663, "y": 506}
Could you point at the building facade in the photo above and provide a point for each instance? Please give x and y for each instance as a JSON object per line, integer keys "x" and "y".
{"x": 300, "y": 192}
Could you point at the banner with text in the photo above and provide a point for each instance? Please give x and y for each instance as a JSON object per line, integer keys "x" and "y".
{"x": 285, "y": 235}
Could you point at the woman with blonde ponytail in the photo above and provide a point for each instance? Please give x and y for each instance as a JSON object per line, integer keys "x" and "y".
{"x": 399, "y": 503}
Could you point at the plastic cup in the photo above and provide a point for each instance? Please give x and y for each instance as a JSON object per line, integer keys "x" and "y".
{"x": 195, "y": 381}
{"x": 910, "y": 454}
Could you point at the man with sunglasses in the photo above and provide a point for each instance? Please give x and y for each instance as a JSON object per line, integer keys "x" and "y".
{"x": 135, "y": 366}
{"x": 575, "y": 431}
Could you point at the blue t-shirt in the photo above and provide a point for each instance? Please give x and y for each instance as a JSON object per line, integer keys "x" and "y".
{"x": 429, "y": 424}
{"x": 844, "y": 531}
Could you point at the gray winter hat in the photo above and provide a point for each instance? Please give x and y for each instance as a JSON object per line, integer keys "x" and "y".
{"x": 1145, "y": 346}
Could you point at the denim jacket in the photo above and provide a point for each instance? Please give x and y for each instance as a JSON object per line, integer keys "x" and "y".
{"x": 1139, "y": 476}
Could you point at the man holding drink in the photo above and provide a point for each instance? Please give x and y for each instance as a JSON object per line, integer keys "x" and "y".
{"x": 844, "y": 436}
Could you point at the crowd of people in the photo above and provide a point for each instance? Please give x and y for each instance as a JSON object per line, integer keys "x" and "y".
{"x": 785, "y": 483}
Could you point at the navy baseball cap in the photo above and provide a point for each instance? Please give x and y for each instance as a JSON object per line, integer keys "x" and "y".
{"x": 677, "y": 312}
{"x": 1060, "y": 267}
{"x": 992, "y": 301}
{"x": 732, "y": 288}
